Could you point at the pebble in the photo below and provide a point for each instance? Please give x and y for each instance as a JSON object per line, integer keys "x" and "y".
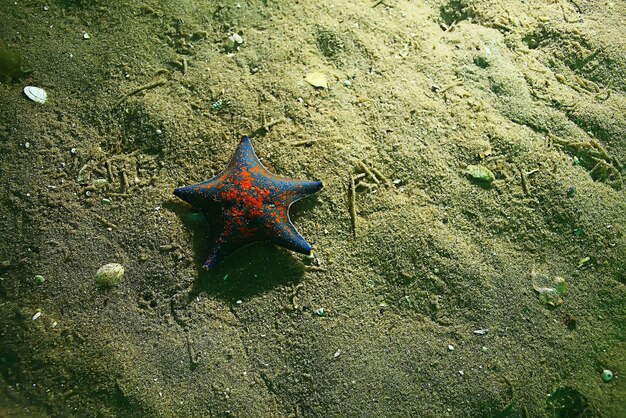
{"x": 109, "y": 274}
{"x": 478, "y": 172}
{"x": 86, "y": 35}
{"x": 233, "y": 41}
{"x": 337, "y": 353}
{"x": 39, "y": 279}
{"x": 450, "y": 347}
{"x": 607, "y": 375}
{"x": 317, "y": 79}
{"x": 37, "y": 315}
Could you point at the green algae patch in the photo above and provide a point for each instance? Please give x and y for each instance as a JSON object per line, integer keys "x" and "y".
{"x": 552, "y": 295}
{"x": 11, "y": 66}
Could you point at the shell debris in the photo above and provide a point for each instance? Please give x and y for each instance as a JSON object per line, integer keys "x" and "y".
{"x": 36, "y": 94}
{"x": 109, "y": 274}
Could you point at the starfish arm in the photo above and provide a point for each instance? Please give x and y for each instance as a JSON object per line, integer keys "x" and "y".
{"x": 244, "y": 155}
{"x": 285, "y": 235}
{"x": 198, "y": 195}
{"x": 289, "y": 191}
{"x": 301, "y": 188}
{"x": 219, "y": 250}
{"x": 224, "y": 245}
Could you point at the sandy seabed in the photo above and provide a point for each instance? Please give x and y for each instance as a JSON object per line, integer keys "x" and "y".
{"x": 430, "y": 292}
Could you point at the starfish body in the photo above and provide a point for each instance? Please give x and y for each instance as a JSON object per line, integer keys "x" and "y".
{"x": 246, "y": 203}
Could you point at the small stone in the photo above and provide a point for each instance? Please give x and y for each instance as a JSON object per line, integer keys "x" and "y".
{"x": 607, "y": 375}
{"x": 233, "y": 41}
{"x": 109, "y": 274}
{"x": 450, "y": 347}
{"x": 337, "y": 353}
{"x": 98, "y": 183}
{"x": 38, "y": 314}
{"x": 347, "y": 83}
{"x": 217, "y": 105}
{"x": 317, "y": 79}
{"x": 571, "y": 191}
{"x": 86, "y": 35}
{"x": 478, "y": 172}
{"x": 39, "y": 279}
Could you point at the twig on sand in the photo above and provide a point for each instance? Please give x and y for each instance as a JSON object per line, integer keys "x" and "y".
{"x": 139, "y": 89}
{"x": 352, "y": 204}
{"x": 302, "y": 142}
{"x": 104, "y": 221}
{"x": 381, "y": 176}
{"x": 525, "y": 187}
{"x": 267, "y": 126}
{"x": 366, "y": 169}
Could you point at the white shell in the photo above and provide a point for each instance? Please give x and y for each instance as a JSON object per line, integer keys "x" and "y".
{"x": 36, "y": 94}
{"x": 237, "y": 38}
{"x": 109, "y": 274}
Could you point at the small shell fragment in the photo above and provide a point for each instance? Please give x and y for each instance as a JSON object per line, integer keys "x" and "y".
{"x": 233, "y": 41}
{"x": 109, "y": 274}
{"x": 481, "y": 173}
{"x": 317, "y": 79}
{"x": 36, "y": 94}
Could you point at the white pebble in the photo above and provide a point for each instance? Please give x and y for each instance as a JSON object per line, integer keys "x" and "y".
{"x": 37, "y": 315}
{"x": 86, "y": 35}
{"x": 450, "y": 347}
{"x": 337, "y": 353}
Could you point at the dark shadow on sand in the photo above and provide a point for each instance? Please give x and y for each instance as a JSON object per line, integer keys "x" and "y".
{"x": 251, "y": 270}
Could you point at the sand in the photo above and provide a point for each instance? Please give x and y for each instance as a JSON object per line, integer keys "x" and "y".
{"x": 430, "y": 301}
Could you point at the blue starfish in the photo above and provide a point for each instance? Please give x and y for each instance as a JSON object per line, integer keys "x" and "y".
{"x": 246, "y": 203}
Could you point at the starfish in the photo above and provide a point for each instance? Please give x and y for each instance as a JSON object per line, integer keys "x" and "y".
{"x": 246, "y": 203}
